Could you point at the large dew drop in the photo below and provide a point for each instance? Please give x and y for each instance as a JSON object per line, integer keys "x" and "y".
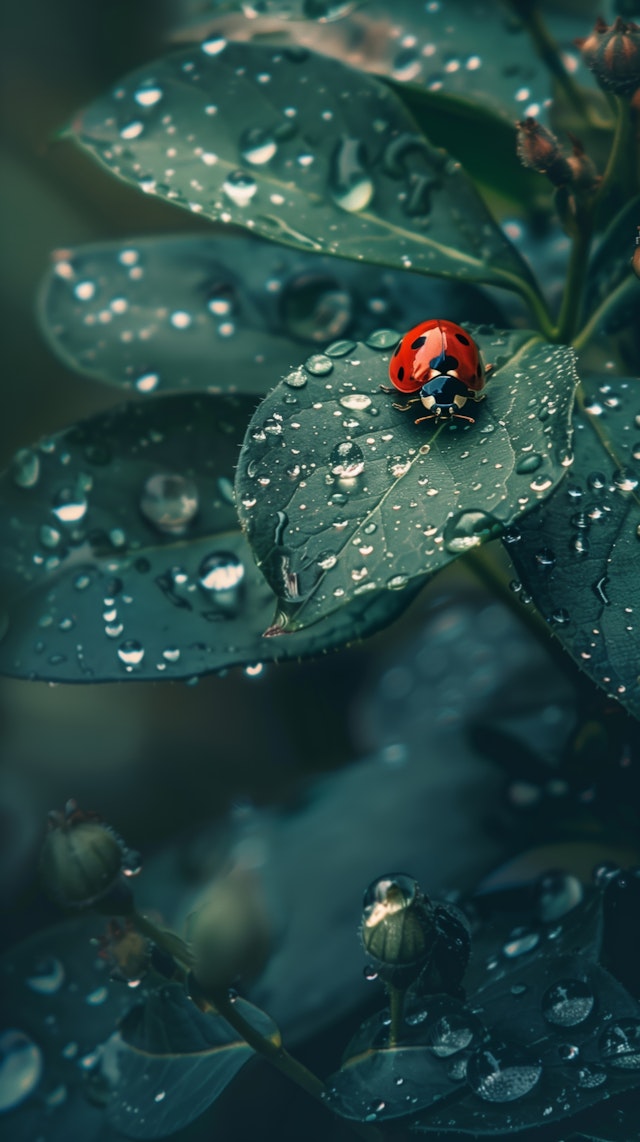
{"x": 469, "y": 529}
{"x": 21, "y": 1067}
{"x": 620, "y": 1045}
{"x": 169, "y": 502}
{"x": 350, "y": 184}
{"x": 502, "y": 1073}
{"x": 567, "y": 1003}
{"x": 347, "y": 460}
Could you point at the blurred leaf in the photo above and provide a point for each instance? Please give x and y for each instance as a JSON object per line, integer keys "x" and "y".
{"x": 479, "y": 51}
{"x": 123, "y": 555}
{"x": 57, "y": 993}
{"x": 470, "y": 130}
{"x": 222, "y": 313}
{"x": 577, "y": 555}
{"x": 610, "y": 272}
{"x": 169, "y": 1062}
{"x": 380, "y": 501}
{"x": 302, "y": 150}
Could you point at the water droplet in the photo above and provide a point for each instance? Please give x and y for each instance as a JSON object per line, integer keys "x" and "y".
{"x": 257, "y": 146}
{"x": 625, "y": 480}
{"x": 221, "y": 575}
{"x": 213, "y": 46}
{"x": 469, "y": 529}
{"x": 319, "y": 365}
{"x": 545, "y": 558}
{"x": 450, "y": 1033}
{"x": 529, "y": 463}
{"x": 383, "y": 339}
{"x": 568, "y": 1052}
{"x": 567, "y": 1002}
{"x": 21, "y": 1067}
{"x": 355, "y": 401}
{"x": 620, "y": 1045}
{"x": 351, "y": 186}
{"x": 398, "y": 466}
{"x": 346, "y": 460}
{"x": 25, "y": 468}
{"x": 147, "y": 382}
{"x": 297, "y": 379}
{"x": 557, "y": 892}
{"x": 85, "y": 291}
{"x": 240, "y": 188}
{"x": 47, "y": 976}
{"x": 597, "y": 481}
{"x": 69, "y": 505}
{"x": 130, "y": 653}
{"x": 340, "y": 348}
{"x": 148, "y": 95}
{"x": 169, "y": 502}
{"x": 520, "y": 944}
{"x": 502, "y": 1073}
{"x": 99, "y": 995}
{"x": 591, "y": 1075}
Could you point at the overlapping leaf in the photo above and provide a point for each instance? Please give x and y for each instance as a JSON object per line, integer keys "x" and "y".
{"x": 578, "y": 554}
{"x": 610, "y": 279}
{"x": 342, "y": 494}
{"x": 123, "y": 556}
{"x": 300, "y": 149}
{"x": 169, "y": 1062}
{"x": 221, "y": 313}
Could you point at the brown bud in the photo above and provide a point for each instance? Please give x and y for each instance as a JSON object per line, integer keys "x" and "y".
{"x": 125, "y": 950}
{"x": 82, "y": 857}
{"x": 584, "y": 176}
{"x": 612, "y": 52}
{"x": 540, "y": 150}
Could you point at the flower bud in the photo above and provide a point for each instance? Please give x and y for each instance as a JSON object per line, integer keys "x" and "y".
{"x": 397, "y": 929}
{"x": 540, "y": 150}
{"x": 229, "y": 932}
{"x": 82, "y": 858}
{"x": 612, "y": 53}
{"x": 584, "y": 176}
{"x": 126, "y": 950}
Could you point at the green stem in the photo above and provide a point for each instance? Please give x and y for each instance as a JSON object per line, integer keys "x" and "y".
{"x": 573, "y": 295}
{"x": 610, "y": 303}
{"x": 547, "y": 50}
{"x": 622, "y": 157}
{"x": 396, "y": 1005}
{"x": 164, "y": 938}
{"x": 531, "y": 294}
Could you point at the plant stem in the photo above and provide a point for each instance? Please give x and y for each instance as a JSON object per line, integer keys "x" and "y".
{"x": 396, "y": 1005}
{"x": 547, "y": 50}
{"x": 573, "y": 295}
{"x": 538, "y": 306}
{"x": 164, "y": 938}
{"x": 626, "y": 286}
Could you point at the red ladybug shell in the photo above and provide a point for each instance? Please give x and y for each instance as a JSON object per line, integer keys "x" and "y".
{"x": 436, "y": 348}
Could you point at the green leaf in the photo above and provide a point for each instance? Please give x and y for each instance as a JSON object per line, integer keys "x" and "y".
{"x": 470, "y": 130}
{"x": 611, "y": 286}
{"x": 220, "y": 313}
{"x": 577, "y": 555}
{"x": 123, "y": 556}
{"x": 302, "y": 150}
{"x": 169, "y": 1062}
{"x": 340, "y": 493}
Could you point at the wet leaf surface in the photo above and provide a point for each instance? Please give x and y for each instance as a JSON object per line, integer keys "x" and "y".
{"x": 169, "y": 1062}
{"x": 342, "y": 494}
{"x": 221, "y": 314}
{"x": 300, "y": 149}
{"x": 480, "y": 51}
{"x": 577, "y": 555}
{"x": 123, "y": 557}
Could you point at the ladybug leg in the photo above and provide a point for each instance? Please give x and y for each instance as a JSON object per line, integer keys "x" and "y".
{"x": 386, "y": 389}
{"x": 421, "y": 419}
{"x": 461, "y": 416}
{"x": 405, "y": 407}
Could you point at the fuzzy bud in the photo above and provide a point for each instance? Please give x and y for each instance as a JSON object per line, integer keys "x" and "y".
{"x": 82, "y": 858}
{"x": 228, "y": 933}
{"x": 540, "y": 150}
{"x": 612, "y": 53}
{"x": 584, "y": 176}
{"x": 397, "y": 929}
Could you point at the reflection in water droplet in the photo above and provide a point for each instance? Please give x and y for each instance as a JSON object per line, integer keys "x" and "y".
{"x": 502, "y": 1073}
{"x": 97, "y": 997}
{"x": 319, "y": 365}
{"x": 240, "y": 188}
{"x": 383, "y": 339}
{"x": 346, "y": 460}
{"x": 625, "y": 480}
{"x": 296, "y": 379}
{"x": 21, "y": 1067}
{"x": 469, "y": 529}
{"x": 47, "y": 976}
{"x": 529, "y": 463}
{"x": 221, "y": 575}
{"x": 130, "y": 653}
{"x": 520, "y": 944}
{"x": 25, "y": 468}
{"x": 257, "y": 146}
{"x": 450, "y": 1034}
{"x": 350, "y": 185}
{"x": 592, "y": 1075}
{"x": 568, "y": 1002}
{"x": 69, "y": 505}
{"x": 169, "y": 502}
{"x": 147, "y": 382}
{"x": 355, "y": 401}
{"x": 620, "y": 1045}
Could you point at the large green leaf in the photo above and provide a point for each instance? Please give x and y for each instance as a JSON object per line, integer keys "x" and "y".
{"x": 341, "y": 494}
{"x": 221, "y": 313}
{"x": 577, "y": 555}
{"x": 300, "y": 149}
{"x": 122, "y": 555}
{"x": 169, "y": 1062}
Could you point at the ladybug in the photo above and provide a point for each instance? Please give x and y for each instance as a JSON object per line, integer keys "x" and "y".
{"x": 441, "y": 362}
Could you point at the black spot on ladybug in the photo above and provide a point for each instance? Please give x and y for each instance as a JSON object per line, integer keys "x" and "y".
{"x": 401, "y": 373}
{"x": 436, "y": 362}
{"x": 446, "y": 363}
{"x": 418, "y": 343}
{"x": 397, "y": 348}
{"x": 462, "y": 339}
